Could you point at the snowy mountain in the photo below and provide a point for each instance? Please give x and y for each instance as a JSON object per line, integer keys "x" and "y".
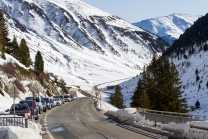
{"x": 190, "y": 58}
{"x": 81, "y": 43}
{"x": 168, "y": 27}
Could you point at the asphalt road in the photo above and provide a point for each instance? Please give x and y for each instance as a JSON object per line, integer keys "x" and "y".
{"x": 80, "y": 120}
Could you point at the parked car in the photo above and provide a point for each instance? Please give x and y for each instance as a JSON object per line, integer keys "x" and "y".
{"x": 34, "y": 109}
{"x": 21, "y": 110}
{"x": 44, "y": 105}
{"x": 72, "y": 97}
{"x": 52, "y": 102}
{"x": 48, "y": 102}
{"x": 57, "y": 101}
{"x": 38, "y": 101}
{"x": 62, "y": 98}
{"x": 67, "y": 97}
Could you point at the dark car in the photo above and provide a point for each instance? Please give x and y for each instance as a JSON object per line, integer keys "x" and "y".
{"x": 33, "y": 107}
{"x": 20, "y": 110}
{"x": 48, "y": 102}
{"x": 38, "y": 101}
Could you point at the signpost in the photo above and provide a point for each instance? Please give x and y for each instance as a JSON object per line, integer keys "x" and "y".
{"x": 14, "y": 101}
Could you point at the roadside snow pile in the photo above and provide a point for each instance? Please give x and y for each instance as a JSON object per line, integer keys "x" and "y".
{"x": 182, "y": 130}
{"x": 101, "y": 105}
{"x": 126, "y": 115}
{"x": 16, "y": 132}
{"x": 187, "y": 130}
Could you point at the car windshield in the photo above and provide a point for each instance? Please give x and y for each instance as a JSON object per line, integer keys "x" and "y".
{"x": 51, "y": 100}
{"x": 66, "y": 96}
{"x": 57, "y": 98}
{"x": 33, "y": 98}
{"x": 45, "y": 99}
{"x": 19, "y": 107}
{"x": 29, "y": 103}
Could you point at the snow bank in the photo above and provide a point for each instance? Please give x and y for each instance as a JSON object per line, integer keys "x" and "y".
{"x": 126, "y": 115}
{"x": 16, "y": 132}
{"x": 182, "y": 130}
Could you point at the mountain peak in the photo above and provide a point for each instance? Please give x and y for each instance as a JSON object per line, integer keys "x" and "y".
{"x": 168, "y": 27}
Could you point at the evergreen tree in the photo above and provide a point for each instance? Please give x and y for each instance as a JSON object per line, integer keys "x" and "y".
{"x": 197, "y": 105}
{"x": 197, "y": 77}
{"x": 24, "y": 54}
{"x": 199, "y": 87}
{"x": 3, "y": 35}
{"x": 162, "y": 85}
{"x": 62, "y": 84}
{"x": 39, "y": 63}
{"x": 207, "y": 84}
{"x": 13, "y": 48}
{"x": 144, "y": 100}
{"x": 137, "y": 93}
{"x": 112, "y": 99}
{"x": 116, "y": 99}
{"x": 205, "y": 47}
{"x": 196, "y": 71}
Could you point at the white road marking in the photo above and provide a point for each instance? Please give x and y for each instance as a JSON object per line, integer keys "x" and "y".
{"x": 46, "y": 126}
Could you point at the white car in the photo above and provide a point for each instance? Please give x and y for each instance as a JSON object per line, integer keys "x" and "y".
{"x": 57, "y": 101}
{"x": 67, "y": 97}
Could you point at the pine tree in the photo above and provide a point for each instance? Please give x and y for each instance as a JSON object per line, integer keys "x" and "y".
{"x": 137, "y": 94}
{"x": 13, "y": 48}
{"x": 62, "y": 84}
{"x": 39, "y": 63}
{"x": 207, "y": 84}
{"x": 197, "y": 77}
{"x": 116, "y": 99}
{"x": 112, "y": 99}
{"x": 162, "y": 85}
{"x": 24, "y": 54}
{"x": 144, "y": 100}
{"x": 196, "y": 71}
{"x": 3, "y": 35}
{"x": 197, "y": 105}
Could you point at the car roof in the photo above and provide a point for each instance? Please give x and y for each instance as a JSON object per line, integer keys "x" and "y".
{"x": 27, "y": 100}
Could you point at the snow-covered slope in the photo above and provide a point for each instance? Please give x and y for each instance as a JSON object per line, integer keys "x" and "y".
{"x": 168, "y": 27}
{"x": 193, "y": 90}
{"x": 81, "y": 43}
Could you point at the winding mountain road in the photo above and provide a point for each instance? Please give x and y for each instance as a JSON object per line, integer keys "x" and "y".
{"x": 80, "y": 120}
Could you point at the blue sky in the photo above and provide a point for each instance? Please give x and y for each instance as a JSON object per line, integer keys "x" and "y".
{"x": 137, "y": 10}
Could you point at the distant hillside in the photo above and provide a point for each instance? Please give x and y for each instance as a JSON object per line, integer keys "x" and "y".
{"x": 168, "y": 27}
{"x": 195, "y": 35}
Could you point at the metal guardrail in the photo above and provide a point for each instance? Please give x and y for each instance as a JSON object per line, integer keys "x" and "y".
{"x": 166, "y": 117}
{"x": 11, "y": 120}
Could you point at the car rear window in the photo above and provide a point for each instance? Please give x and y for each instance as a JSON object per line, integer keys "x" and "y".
{"x": 33, "y": 98}
{"x": 19, "y": 107}
{"x": 57, "y": 98}
{"x": 66, "y": 96}
{"x": 46, "y": 99}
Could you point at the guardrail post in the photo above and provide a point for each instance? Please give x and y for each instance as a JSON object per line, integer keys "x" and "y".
{"x": 26, "y": 122}
{"x": 155, "y": 120}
